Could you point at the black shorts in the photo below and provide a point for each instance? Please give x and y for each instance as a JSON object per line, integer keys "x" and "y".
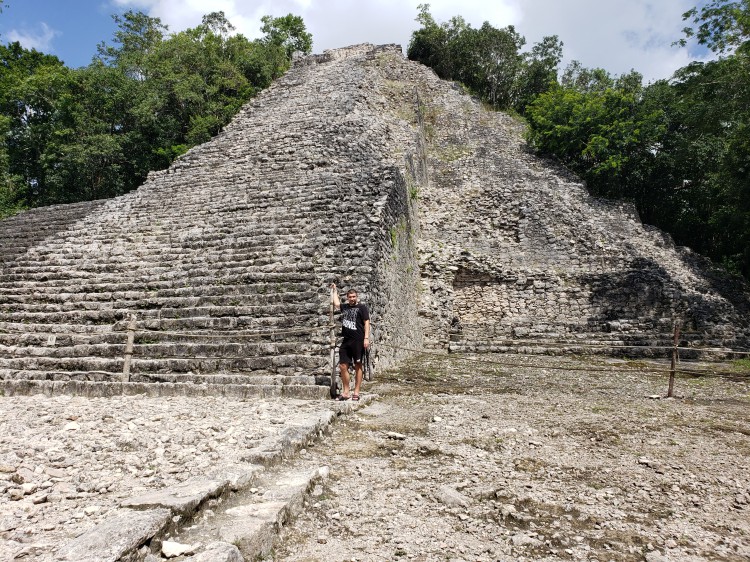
{"x": 351, "y": 351}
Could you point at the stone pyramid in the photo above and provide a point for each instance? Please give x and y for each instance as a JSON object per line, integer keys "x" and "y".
{"x": 358, "y": 167}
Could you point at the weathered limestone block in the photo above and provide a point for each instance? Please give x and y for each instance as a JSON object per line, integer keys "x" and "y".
{"x": 116, "y": 537}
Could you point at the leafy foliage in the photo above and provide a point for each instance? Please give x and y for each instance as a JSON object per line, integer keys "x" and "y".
{"x": 94, "y": 132}
{"x": 488, "y": 61}
{"x": 722, "y": 26}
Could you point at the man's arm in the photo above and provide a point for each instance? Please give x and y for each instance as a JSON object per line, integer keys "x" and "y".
{"x": 335, "y": 297}
{"x": 367, "y": 334}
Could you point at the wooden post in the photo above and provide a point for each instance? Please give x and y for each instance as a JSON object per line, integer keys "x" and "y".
{"x": 333, "y": 346}
{"x": 675, "y": 357}
{"x": 129, "y": 349}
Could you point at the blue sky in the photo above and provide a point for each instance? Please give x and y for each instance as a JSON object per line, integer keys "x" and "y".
{"x": 617, "y": 35}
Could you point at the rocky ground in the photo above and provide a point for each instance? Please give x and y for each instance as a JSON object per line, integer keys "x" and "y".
{"x": 509, "y": 458}
{"x": 478, "y": 461}
{"x": 66, "y": 463}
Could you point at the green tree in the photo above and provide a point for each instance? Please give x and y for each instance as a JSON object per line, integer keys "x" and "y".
{"x": 597, "y": 126}
{"x": 539, "y": 71}
{"x": 485, "y": 60}
{"x": 31, "y": 86}
{"x": 722, "y": 26}
{"x": 138, "y": 36}
{"x": 287, "y": 32}
{"x": 70, "y": 135}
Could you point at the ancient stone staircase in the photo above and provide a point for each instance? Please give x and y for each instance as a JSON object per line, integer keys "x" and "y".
{"x": 223, "y": 260}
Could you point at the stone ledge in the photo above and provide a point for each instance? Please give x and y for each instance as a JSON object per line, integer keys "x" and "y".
{"x": 120, "y": 537}
{"x": 183, "y": 499}
{"x": 92, "y": 389}
{"x": 116, "y": 539}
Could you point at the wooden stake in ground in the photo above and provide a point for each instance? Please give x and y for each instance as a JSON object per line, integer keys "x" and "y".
{"x": 673, "y": 369}
{"x": 333, "y": 348}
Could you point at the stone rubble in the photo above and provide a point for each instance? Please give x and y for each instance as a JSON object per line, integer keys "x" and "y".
{"x": 68, "y": 464}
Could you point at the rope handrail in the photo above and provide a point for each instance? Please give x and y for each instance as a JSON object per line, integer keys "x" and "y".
{"x": 322, "y": 328}
{"x": 225, "y": 333}
{"x": 461, "y": 357}
{"x": 613, "y": 345}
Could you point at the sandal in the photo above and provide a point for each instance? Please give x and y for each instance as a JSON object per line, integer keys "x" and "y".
{"x": 341, "y": 398}
{"x": 355, "y": 396}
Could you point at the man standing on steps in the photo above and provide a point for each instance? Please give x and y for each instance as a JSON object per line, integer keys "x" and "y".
{"x": 355, "y": 327}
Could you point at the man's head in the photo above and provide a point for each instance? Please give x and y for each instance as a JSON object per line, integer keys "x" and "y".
{"x": 351, "y": 297}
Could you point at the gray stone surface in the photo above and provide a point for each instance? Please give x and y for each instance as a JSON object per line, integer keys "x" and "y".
{"x": 253, "y": 520}
{"x": 545, "y": 455}
{"x": 68, "y": 464}
{"x": 218, "y": 552}
{"x": 116, "y": 538}
{"x": 181, "y": 499}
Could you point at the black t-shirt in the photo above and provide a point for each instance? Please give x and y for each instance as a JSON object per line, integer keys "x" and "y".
{"x": 353, "y": 321}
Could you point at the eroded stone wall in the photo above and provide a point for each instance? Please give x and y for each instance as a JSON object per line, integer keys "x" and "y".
{"x": 512, "y": 247}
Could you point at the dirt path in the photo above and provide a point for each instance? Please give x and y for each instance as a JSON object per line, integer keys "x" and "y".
{"x": 533, "y": 464}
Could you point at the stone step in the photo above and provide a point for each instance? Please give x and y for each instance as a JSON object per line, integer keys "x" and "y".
{"x": 171, "y": 236}
{"x": 108, "y": 257}
{"x": 541, "y": 346}
{"x": 279, "y": 364}
{"x": 105, "y": 272}
{"x": 66, "y": 303}
{"x": 50, "y": 329}
{"x": 226, "y": 349}
{"x": 218, "y": 295}
{"x": 172, "y": 378}
{"x": 285, "y": 229}
{"x": 152, "y": 283}
{"x": 270, "y": 318}
{"x": 91, "y": 389}
{"x": 247, "y": 343}
{"x": 251, "y": 246}
{"x": 155, "y": 308}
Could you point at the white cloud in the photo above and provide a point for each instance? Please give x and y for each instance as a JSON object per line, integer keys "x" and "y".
{"x": 41, "y": 40}
{"x": 617, "y": 35}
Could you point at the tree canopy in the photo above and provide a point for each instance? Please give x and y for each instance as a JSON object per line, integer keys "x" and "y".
{"x": 147, "y": 96}
{"x": 488, "y": 60}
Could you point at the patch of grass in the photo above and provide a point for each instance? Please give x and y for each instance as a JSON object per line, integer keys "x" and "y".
{"x": 490, "y": 444}
{"x": 529, "y": 464}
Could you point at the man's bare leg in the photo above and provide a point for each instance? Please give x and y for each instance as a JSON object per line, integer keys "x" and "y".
{"x": 358, "y": 377}
{"x": 344, "y": 371}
